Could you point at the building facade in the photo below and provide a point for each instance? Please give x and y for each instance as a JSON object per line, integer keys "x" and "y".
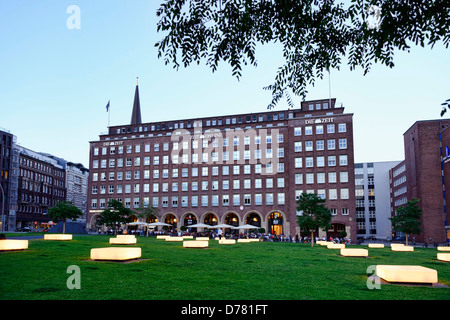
{"x": 76, "y": 186}
{"x": 8, "y": 179}
{"x": 233, "y": 169}
{"x": 41, "y": 186}
{"x": 372, "y": 195}
{"x": 425, "y": 175}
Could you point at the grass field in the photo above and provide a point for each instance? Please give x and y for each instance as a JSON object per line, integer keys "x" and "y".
{"x": 248, "y": 271}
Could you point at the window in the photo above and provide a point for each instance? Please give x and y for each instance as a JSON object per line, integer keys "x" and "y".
{"x": 297, "y": 131}
{"x": 319, "y": 145}
{"x": 309, "y": 178}
{"x": 225, "y": 200}
{"x": 320, "y": 161}
{"x": 319, "y": 129}
{"x": 298, "y": 178}
{"x": 308, "y": 146}
{"x": 331, "y": 161}
{"x": 309, "y": 163}
{"x": 308, "y": 130}
{"x": 332, "y": 194}
{"x": 258, "y": 199}
{"x": 321, "y": 177}
{"x": 298, "y": 162}
{"x": 269, "y": 198}
{"x": 342, "y": 127}
{"x": 247, "y": 199}
{"x": 343, "y": 160}
{"x": 332, "y": 177}
{"x": 280, "y": 198}
{"x": 343, "y": 143}
{"x": 298, "y": 146}
{"x": 236, "y": 199}
{"x": 331, "y": 144}
{"x": 330, "y": 128}
{"x": 344, "y": 193}
{"x": 343, "y": 176}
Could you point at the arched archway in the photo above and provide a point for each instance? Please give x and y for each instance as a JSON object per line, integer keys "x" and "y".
{"x": 188, "y": 219}
{"x": 253, "y": 218}
{"x": 275, "y": 222}
{"x": 210, "y": 218}
{"x": 232, "y": 219}
{"x": 336, "y": 231}
{"x": 170, "y": 218}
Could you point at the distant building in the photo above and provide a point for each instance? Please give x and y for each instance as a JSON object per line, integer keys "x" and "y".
{"x": 236, "y": 169}
{"x": 372, "y": 195}
{"x": 425, "y": 175}
{"x": 8, "y": 180}
{"x": 76, "y": 184}
{"x": 41, "y": 186}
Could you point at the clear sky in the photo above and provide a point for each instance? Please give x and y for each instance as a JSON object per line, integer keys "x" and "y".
{"x": 55, "y": 82}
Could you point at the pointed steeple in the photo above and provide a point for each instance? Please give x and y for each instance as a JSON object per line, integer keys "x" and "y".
{"x": 136, "y": 115}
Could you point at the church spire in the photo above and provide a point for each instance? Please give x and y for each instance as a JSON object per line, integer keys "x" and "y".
{"x": 136, "y": 115}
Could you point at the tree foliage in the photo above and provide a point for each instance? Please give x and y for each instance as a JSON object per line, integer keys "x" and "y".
{"x": 315, "y": 35}
{"x": 314, "y": 214}
{"x": 115, "y": 215}
{"x": 64, "y": 210}
{"x": 407, "y": 219}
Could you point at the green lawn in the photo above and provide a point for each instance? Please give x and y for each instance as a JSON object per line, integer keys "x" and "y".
{"x": 248, "y": 271}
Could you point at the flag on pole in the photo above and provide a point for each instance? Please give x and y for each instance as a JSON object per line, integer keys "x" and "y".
{"x": 107, "y": 106}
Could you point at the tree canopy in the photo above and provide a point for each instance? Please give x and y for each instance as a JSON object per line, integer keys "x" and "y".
{"x": 315, "y": 34}
{"x": 64, "y": 210}
{"x": 314, "y": 214}
{"x": 115, "y": 215}
{"x": 407, "y": 219}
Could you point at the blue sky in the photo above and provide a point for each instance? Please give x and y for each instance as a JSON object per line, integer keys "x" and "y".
{"x": 55, "y": 82}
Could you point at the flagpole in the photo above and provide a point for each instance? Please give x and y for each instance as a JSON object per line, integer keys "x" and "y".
{"x": 109, "y": 108}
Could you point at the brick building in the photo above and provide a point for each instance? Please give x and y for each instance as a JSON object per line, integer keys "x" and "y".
{"x": 233, "y": 169}
{"x": 41, "y": 186}
{"x": 425, "y": 175}
{"x": 372, "y": 185}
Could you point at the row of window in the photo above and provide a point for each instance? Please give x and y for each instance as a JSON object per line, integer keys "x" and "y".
{"x": 225, "y": 199}
{"x": 310, "y": 162}
{"x": 320, "y": 129}
{"x": 320, "y": 145}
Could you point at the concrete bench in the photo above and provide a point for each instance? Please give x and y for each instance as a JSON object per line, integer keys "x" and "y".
{"x": 202, "y": 238}
{"x": 123, "y": 239}
{"x": 443, "y": 248}
{"x": 60, "y": 237}
{"x": 162, "y": 237}
{"x": 227, "y": 241}
{"x": 354, "y": 252}
{"x": 402, "y": 248}
{"x": 443, "y": 257}
{"x": 196, "y": 244}
{"x": 174, "y": 239}
{"x": 115, "y": 253}
{"x": 11, "y": 244}
{"x": 335, "y": 246}
{"x": 406, "y": 274}
{"x": 376, "y": 245}
{"x": 243, "y": 240}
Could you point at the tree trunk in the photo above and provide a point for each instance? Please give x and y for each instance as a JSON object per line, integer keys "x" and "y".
{"x": 406, "y": 239}
{"x": 64, "y": 226}
{"x": 312, "y": 239}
